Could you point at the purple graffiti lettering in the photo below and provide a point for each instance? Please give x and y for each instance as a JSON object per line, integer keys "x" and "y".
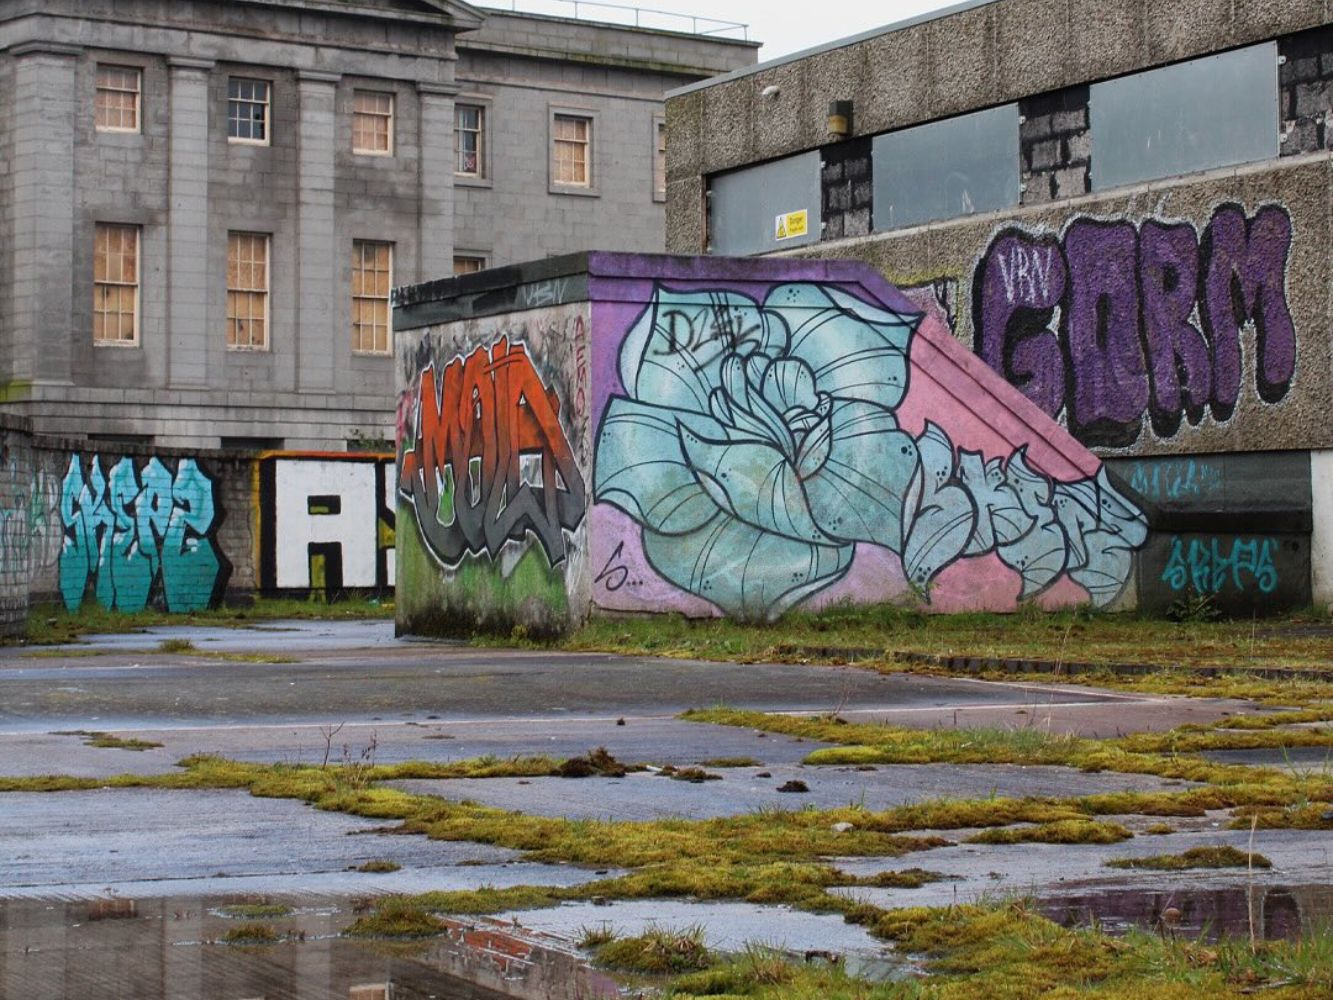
{"x": 1246, "y": 281}
{"x": 1128, "y": 343}
{"x": 1019, "y": 286}
{"x": 1108, "y": 381}
{"x": 1179, "y": 366}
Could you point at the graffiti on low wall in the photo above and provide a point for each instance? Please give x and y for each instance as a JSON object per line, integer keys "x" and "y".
{"x": 326, "y": 522}
{"x": 138, "y": 532}
{"x": 1211, "y": 565}
{"x": 487, "y": 461}
{"x": 756, "y": 447}
{"x": 1111, "y": 321}
{"x": 30, "y": 535}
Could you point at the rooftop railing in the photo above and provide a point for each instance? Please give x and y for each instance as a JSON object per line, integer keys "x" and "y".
{"x": 637, "y": 17}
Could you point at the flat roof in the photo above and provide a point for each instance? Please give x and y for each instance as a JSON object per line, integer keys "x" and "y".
{"x": 839, "y": 43}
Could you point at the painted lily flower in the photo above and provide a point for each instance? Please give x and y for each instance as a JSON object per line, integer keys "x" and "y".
{"x": 757, "y": 444}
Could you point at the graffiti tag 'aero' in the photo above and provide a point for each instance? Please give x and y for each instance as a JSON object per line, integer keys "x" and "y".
{"x": 487, "y": 461}
{"x": 757, "y": 446}
{"x": 1127, "y": 298}
{"x": 139, "y": 533}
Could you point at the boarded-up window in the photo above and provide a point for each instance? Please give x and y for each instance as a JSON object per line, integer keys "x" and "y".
{"x": 572, "y": 138}
{"x": 116, "y": 285}
{"x": 247, "y": 291}
{"x": 372, "y": 123}
{"x": 117, "y": 101}
{"x": 372, "y": 278}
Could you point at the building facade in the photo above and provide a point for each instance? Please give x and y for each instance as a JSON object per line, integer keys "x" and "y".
{"x": 1121, "y": 207}
{"x": 207, "y": 203}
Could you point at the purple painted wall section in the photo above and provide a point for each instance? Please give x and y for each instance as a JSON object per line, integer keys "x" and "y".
{"x": 778, "y": 434}
{"x": 1153, "y": 319}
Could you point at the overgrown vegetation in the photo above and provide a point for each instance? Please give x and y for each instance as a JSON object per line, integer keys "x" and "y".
{"x": 108, "y": 741}
{"x": 51, "y": 624}
{"x": 1222, "y": 856}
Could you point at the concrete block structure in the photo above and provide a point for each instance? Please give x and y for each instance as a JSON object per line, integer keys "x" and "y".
{"x": 717, "y": 436}
{"x": 1121, "y": 208}
{"x": 205, "y": 204}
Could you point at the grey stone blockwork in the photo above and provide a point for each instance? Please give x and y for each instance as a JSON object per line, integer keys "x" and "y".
{"x": 1305, "y": 79}
{"x": 1056, "y": 145}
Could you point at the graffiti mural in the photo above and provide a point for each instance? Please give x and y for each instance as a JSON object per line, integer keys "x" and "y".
{"x": 326, "y": 522}
{"x": 757, "y": 448}
{"x": 30, "y": 537}
{"x": 1207, "y": 566}
{"x": 485, "y": 460}
{"x": 1112, "y": 321}
{"x": 140, "y": 532}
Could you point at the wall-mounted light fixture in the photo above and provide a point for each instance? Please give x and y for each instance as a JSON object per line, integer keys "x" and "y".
{"x": 839, "y": 119}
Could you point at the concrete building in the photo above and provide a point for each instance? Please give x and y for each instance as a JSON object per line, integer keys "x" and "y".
{"x": 206, "y": 203}
{"x": 1122, "y": 207}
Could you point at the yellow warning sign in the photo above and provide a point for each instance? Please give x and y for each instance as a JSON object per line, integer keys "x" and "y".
{"x": 791, "y": 225}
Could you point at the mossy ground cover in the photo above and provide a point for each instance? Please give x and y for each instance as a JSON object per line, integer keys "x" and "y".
{"x": 875, "y": 632}
{"x": 53, "y": 624}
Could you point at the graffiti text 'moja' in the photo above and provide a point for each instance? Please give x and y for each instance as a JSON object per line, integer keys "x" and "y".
{"x": 1150, "y": 318}
{"x": 138, "y": 533}
{"x": 488, "y": 461}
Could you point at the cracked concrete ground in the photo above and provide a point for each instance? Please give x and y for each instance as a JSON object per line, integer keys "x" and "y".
{"x": 349, "y": 685}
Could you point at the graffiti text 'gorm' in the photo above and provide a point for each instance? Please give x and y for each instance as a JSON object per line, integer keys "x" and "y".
{"x": 1127, "y": 341}
{"x": 488, "y": 461}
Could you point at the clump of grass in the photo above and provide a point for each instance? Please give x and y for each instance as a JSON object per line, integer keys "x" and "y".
{"x": 694, "y": 775}
{"x": 726, "y": 762}
{"x": 594, "y": 937}
{"x": 594, "y": 763}
{"x": 1160, "y": 829}
{"x": 253, "y": 911}
{"x": 106, "y": 741}
{"x": 378, "y": 865}
{"x": 250, "y": 933}
{"x": 397, "y": 917}
{"x": 1067, "y": 831}
{"x": 1223, "y": 856}
{"x": 658, "y": 951}
{"x": 176, "y": 646}
{"x": 907, "y": 878}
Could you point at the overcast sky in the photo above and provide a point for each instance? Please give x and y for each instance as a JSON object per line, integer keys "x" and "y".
{"x": 782, "y": 25}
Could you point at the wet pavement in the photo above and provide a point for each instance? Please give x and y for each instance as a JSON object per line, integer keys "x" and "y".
{"x": 170, "y": 859}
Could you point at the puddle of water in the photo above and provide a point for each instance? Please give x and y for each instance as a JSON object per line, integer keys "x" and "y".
{"x": 1278, "y": 912}
{"x": 154, "y": 949}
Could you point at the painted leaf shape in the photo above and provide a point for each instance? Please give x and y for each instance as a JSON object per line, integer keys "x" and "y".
{"x": 642, "y": 470}
{"x": 673, "y": 352}
{"x": 1001, "y": 519}
{"x": 858, "y": 493}
{"x": 854, "y": 350}
{"x": 788, "y": 383}
{"x": 754, "y": 482}
{"x": 748, "y": 573}
{"x": 942, "y": 516}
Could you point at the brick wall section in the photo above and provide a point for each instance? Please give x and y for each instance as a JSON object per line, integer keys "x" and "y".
{"x": 1305, "y": 82}
{"x": 846, "y": 190}
{"x": 1056, "y": 145}
{"x": 16, "y": 474}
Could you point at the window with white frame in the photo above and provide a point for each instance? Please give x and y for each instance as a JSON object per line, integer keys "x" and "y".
{"x": 116, "y": 284}
{"x": 470, "y": 140}
{"x": 372, "y": 278}
{"x": 248, "y": 110}
{"x": 571, "y": 137}
{"x": 247, "y": 291}
{"x": 372, "y": 122}
{"x": 119, "y": 92}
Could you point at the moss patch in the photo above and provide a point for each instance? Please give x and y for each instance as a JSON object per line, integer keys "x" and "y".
{"x": 1196, "y": 857}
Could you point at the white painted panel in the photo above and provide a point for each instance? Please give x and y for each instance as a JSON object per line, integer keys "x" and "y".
{"x": 354, "y": 527}
{"x": 1321, "y": 542}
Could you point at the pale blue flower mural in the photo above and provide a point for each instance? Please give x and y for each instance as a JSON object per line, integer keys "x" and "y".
{"x": 757, "y": 445}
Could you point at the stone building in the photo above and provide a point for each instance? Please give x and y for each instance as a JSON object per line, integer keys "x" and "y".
{"x": 207, "y": 203}
{"x": 1121, "y": 207}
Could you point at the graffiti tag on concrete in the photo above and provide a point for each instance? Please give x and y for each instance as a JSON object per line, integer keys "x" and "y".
{"x": 1112, "y": 321}
{"x": 139, "y": 533}
{"x": 1206, "y": 566}
{"x": 486, "y": 461}
{"x": 756, "y": 445}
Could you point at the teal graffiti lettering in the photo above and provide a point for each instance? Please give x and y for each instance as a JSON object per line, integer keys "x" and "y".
{"x": 138, "y": 533}
{"x": 1205, "y": 566}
